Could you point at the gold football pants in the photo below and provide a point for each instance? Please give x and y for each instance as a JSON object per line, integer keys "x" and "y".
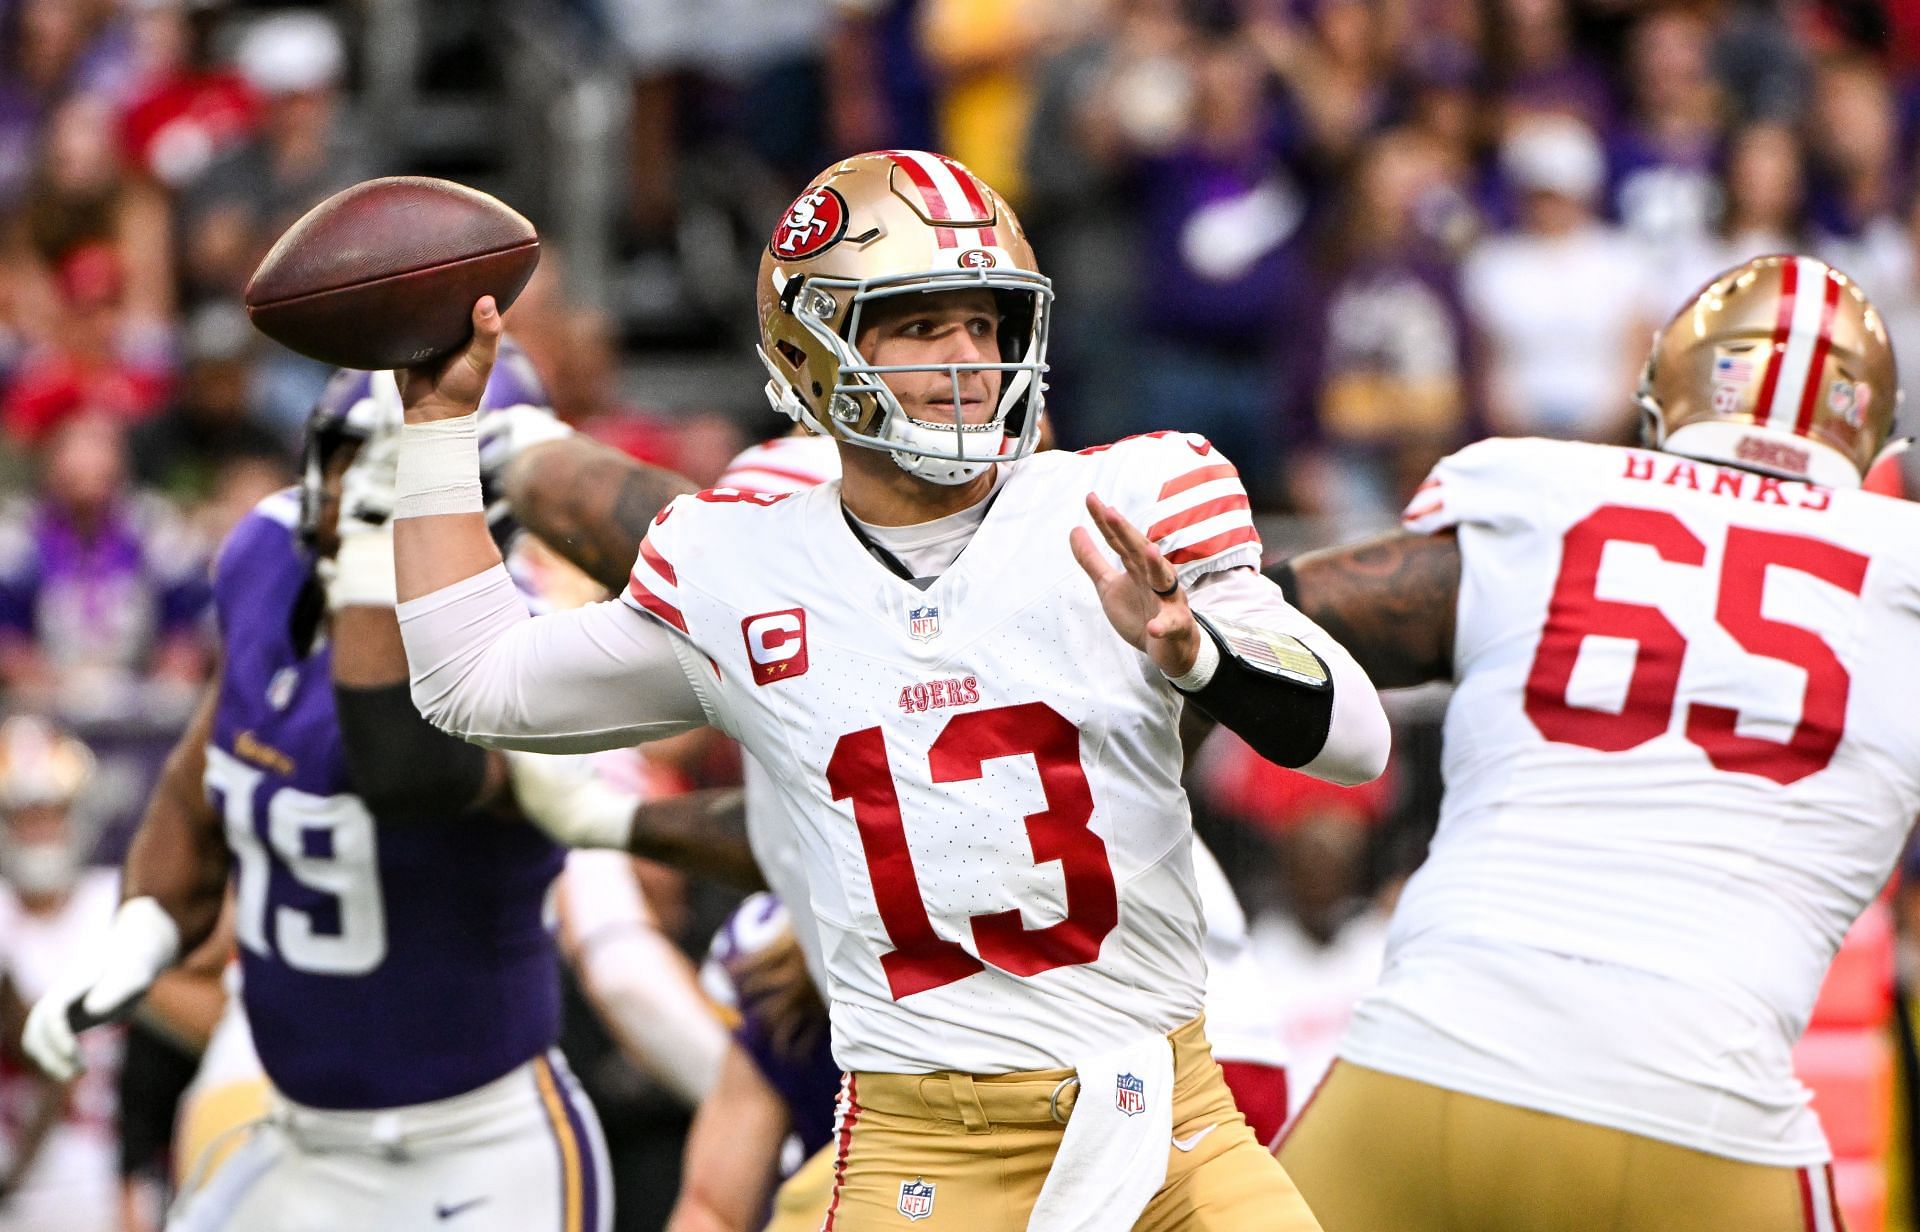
{"x": 984, "y": 1143}
{"x": 1372, "y": 1151}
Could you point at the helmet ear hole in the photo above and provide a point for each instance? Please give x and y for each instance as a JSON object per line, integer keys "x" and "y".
{"x": 793, "y": 355}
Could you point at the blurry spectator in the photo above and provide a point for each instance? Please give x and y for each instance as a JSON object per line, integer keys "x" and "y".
{"x": 60, "y": 1143}
{"x": 306, "y": 148}
{"x": 49, "y": 50}
{"x": 879, "y": 88}
{"x": 1376, "y": 354}
{"x": 983, "y": 54}
{"x": 1761, "y": 64}
{"x": 99, "y": 358}
{"x": 1853, "y": 137}
{"x": 1442, "y": 105}
{"x": 185, "y": 111}
{"x": 1319, "y": 940}
{"x": 1762, "y": 209}
{"x": 742, "y": 74}
{"x": 1890, "y": 272}
{"x": 1219, "y": 205}
{"x": 102, "y": 587}
{"x": 1662, "y": 156}
{"x": 1562, "y": 303}
{"x": 208, "y": 427}
{"x": 1535, "y": 66}
{"x": 81, "y": 198}
{"x": 1335, "y": 67}
{"x": 1123, "y": 88}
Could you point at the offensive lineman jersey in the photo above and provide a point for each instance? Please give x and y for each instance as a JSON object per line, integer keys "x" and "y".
{"x": 985, "y": 777}
{"x": 384, "y": 964}
{"x": 1680, "y": 759}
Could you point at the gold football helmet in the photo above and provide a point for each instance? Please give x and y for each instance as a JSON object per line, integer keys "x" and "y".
{"x": 1779, "y": 365}
{"x": 900, "y": 222}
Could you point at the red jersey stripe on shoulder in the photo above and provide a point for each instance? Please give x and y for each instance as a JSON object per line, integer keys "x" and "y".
{"x": 1196, "y": 515}
{"x": 1214, "y": 546}
{"x": 655, "y": 604}
{"x": 1194, "y": 478}
{"x": 652, "y": 556}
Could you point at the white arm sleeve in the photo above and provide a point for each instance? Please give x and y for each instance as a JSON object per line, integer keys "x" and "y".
{"x": 600, "y": 677}
{"x": 643, "y": 987}
{"x": 1358, "y": 738}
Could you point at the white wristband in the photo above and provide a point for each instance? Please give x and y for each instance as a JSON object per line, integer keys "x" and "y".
{"x": 1205, "y": 664}
{"x": 564, "y": 796}
{"x": 362, "y": 574}
{"x": 439, "y": 469}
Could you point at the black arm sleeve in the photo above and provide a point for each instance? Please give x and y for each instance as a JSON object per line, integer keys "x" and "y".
{"x": 1284, "y": 720}
{"x": 403, "y": 766}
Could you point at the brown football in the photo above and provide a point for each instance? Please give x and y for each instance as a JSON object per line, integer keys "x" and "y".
{"x": 385, "y": 274}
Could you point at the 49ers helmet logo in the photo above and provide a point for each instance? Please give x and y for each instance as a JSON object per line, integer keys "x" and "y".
{"x": 812, "y": 224}
{"x": 978, "y": 258}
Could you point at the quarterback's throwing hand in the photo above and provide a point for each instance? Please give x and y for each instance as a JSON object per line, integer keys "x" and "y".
{"x": 1143, "y": 597}
{"x": 453, "y": 387}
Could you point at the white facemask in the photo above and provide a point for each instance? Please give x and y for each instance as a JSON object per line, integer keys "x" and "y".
{"x": 37, "y": 870}
{"x": 982, "y": 441}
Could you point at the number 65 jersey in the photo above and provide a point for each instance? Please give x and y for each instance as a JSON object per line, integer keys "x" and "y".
{"x": 1680, "y": 759}
{"x": 985, "y": 777}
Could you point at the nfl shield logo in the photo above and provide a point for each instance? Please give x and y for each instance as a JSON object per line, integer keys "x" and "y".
{"x": 916, "y": 1199}
{"x": 1130, "y": 1095}
{"x": 280, "y": 688}
{"x": 924, "y": 623}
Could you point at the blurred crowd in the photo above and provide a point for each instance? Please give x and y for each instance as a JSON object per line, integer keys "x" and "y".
{"x": 1340, "y": 237}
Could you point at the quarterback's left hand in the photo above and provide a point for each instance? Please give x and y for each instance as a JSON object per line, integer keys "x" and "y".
{"x": 1143, "y": 599}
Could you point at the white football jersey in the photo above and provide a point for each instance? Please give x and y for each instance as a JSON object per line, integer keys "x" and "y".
{"x": 1680, "y": 759}
{"x": 783, "y": 464}
{"x": 74, "y": 1183}
{"x": 985, "y": 778}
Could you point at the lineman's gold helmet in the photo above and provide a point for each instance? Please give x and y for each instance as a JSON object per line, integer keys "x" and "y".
{"x": 1778, "y": 365}
{"x": 900, "y": 222}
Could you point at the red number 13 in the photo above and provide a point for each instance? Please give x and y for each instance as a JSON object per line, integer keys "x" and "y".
{"x": 921, "y": 959}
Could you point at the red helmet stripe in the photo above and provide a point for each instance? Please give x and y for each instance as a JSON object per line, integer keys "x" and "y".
{"x": 1782, "y": 325}
{"x": 971, "y": 191}
{"x": 936, "y": 204}
{"x": 1829, "y": 303}
{"x": 1808, "y": 324}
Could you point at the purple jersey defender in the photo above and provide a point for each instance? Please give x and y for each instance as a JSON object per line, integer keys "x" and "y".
{"x": 385, "y": 965}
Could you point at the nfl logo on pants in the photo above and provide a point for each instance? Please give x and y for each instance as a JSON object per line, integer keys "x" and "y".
{"x": 916, "y": 1199}
{"x": 1130, "y": 1095}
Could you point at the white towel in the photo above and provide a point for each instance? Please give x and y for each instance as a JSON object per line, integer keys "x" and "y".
{"x": 1113, "y": 1156}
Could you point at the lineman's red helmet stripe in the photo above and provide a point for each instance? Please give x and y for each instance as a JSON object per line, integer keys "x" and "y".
{"x": 1782, "y": 327}
{"x": 1829, "y": 303}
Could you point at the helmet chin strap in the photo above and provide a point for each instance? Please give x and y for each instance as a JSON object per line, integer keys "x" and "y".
{"x": 935, "y": 437}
